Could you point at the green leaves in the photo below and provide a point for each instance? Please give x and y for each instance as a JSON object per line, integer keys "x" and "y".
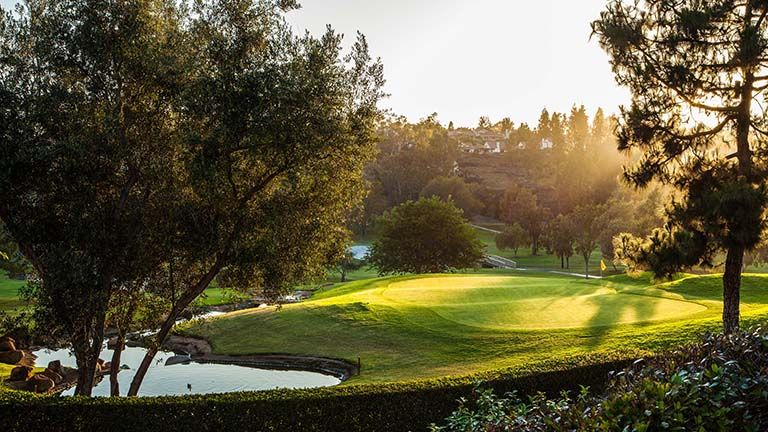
{"x": 426, "y": 236}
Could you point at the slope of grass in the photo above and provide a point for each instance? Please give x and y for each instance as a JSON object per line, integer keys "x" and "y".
{"x": 9, "y": 293}
{"x": 426, "y": 326}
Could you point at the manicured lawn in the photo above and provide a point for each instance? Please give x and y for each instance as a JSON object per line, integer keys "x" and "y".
{"x": 9, "y": 293}
{"x": 426, "y": 326}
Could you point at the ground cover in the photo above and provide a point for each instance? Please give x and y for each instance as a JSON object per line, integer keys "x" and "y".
{"x": 9, "y": 293}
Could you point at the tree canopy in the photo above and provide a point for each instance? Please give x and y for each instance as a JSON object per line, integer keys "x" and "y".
{"x": 148, "y": 142}
{"x": 697, "y": 74}
{"x": 425, "y": 236}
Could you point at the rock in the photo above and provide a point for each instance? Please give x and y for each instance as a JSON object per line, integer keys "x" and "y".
{"x": 7, "y": 344}
{"x": 178, "y": 359}
{"x": 41, "y": 383}
{"x": 55, "y": 377}
{"x": 11, "y": 357}
{"x": 100, "y": 365}
{"x": 20, "y": 373}
{"x": 55, "y": 366}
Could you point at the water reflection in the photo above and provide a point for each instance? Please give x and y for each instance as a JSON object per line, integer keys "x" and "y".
{"x": 203, "y": 378}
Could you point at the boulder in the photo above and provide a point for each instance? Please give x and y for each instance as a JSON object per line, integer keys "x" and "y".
{"x": 7, "y": 344}
{"x": 11, "y": 357}
{"x": 55, "y": 366}
{"x": 20, "y": 373}
{"x": 100, "y": 365}
{"x": 55, "y": 377}
{"x": 41, "y": 383}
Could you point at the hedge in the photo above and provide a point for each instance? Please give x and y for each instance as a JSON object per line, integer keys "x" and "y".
{"x": 410, "y": 406}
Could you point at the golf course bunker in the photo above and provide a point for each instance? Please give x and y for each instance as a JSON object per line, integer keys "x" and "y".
{"x": 511, "y": 302}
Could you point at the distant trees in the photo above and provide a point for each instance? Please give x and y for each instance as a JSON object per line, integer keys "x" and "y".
{"x": 561, "y": 238}
{"x": 425, "y": 236}
{"x": 347, "y": 264}
{"x": 685, "y": 62}
{"x": 513, "y": 237}
{"x": 587, "y": 226}
{"x": 454, "y": 189}
{"x": 410, "y": 156}
{"x": 520, "y": 205}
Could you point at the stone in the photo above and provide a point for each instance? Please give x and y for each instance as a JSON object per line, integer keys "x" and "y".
{"x": 55, "y": 377}
{"x": 41, "y": 383}
{"x": 7, "y": 344}
{"x": 11, "y": 357}
{"x": 20, "y": 373}
{"x": 55, "y": 366}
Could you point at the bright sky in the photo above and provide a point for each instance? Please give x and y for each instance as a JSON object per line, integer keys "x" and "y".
{"x": 468, "y": 58}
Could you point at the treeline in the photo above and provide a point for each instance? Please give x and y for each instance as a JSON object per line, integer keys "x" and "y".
{"x": 565, "y": 196}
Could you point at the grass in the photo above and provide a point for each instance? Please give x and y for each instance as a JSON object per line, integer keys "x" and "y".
{"x": 9, "y": 293}
{"x": 412, "y": 327}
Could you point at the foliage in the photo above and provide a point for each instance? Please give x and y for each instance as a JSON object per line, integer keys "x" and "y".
{"x": 154, "y": 144}
{"x": 520, "y": 205}
{"x": 561, "y": 237}
{"x": 513, "y": 237}
{"x": 588, "y": 224}
{"x": 371, "y": 408}
{"x": 453, "y": 189}
{"x": 425, "y": 236}
{"x": 683, "y": 62}
{"x": 347, "y": 264}
{"x": 719, "y": 384}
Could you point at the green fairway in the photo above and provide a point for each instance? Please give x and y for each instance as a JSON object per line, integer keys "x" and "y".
{"x": 426, "y": 326}
{"x": 9, "y": 293}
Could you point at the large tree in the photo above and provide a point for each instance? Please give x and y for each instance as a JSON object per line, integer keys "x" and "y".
{"x": 697, "y": 71}
{"x": 425, "y": 236}
{"x": 146, "y": 142}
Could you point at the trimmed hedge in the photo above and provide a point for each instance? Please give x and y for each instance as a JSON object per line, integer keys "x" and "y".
{"x": 411, "y": 406}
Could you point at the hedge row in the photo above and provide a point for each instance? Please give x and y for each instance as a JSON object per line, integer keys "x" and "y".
{"x": 411, "y": 406}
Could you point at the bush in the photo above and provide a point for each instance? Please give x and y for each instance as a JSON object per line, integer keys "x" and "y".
{"x": 386, "y": 407}
{"x": 720, "y": 384}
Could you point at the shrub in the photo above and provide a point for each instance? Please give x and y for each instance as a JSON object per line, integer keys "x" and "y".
{"x": 720, "y": 384}
{"x": 408, "y": 406}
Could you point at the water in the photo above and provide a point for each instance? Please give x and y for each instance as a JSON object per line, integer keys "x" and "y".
{"x": 359, "y": 251}
{"x": 204, "y": 378}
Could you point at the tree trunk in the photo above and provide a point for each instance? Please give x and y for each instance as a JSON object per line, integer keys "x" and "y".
{"x": 586, "y": 266}
{"x": 190, "y": 295}
{"x": 562, "y": 261}
{"x": 114, "y": 369}
{"x": 731, "y": 289}
{"x": 141, "y": 372}
{"x": 87, "y": 353}
{"x": 568, "y": 263}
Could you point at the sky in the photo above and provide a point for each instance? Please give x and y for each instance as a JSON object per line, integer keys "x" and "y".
{"x": 469, "y": 58}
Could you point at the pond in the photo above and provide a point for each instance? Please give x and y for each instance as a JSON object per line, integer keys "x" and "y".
{"x": 359, "y": 251}
{"x": 203, "y": 378}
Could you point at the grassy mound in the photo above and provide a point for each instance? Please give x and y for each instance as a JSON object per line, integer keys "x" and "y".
{"x": 427, "y": 326}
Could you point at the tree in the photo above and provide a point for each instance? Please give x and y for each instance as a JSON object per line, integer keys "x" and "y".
{"x": 685, "y": 62}
{"x": 453, "y": 189}
{"x": 562, "y": 236}
{"x": 520, "y": 205}
{"x": 513, "y": 237}
{"x": 587, "y": 224}
{"x": 347, "y": 264}
{"x": 425, "y": 236}
{"x": 198, "y": 140}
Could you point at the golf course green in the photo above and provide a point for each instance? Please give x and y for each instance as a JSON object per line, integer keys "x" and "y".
{"x": 413, "y": 327}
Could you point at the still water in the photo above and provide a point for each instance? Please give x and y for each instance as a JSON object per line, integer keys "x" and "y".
{"x": 203, "y": 378}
